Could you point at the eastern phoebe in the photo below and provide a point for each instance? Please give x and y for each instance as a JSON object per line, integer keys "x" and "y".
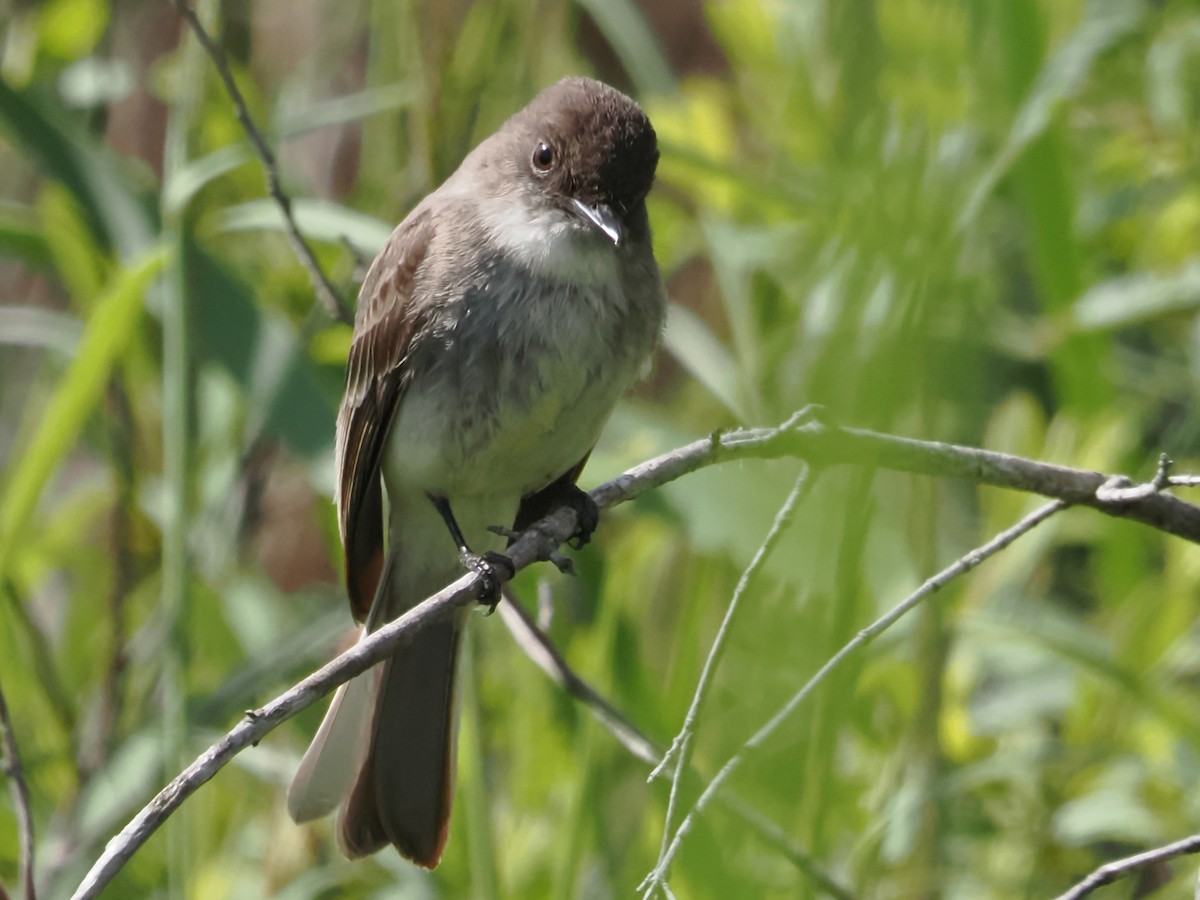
{"x": 494, "y": 334}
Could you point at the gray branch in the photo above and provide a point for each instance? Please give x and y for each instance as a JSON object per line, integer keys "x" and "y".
{"x": 799, "y": 437}
{"x": 326, "y": 293}
{"x": 1119, "y": 868}
{"x": 535, "y": 644}
{"x": 656, "y": 879}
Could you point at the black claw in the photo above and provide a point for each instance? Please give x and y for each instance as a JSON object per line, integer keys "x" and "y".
{"x": 500, "y": 561}
{"x": 561, "y": 492}
{"x": 489, "y": 567}
{"x": 587, "y": 517}
{"x": 563, "y": 563}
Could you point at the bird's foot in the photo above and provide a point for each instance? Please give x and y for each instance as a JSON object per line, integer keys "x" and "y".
{"x": 587, "y": 516}
{"x": 562, "y": 563}
{"x": 493, "y": 570}
{"x": 587, "y": 513}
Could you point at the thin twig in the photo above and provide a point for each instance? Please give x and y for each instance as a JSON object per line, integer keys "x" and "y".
{"x": 1119, "y": 868}
{"x": 257, "y": 723}
{"x": 326, "y": 293}
{"x": 657, "y": 877}
{"x": 812, "y": 441}
{"x": 828, "y": 445}
{"x": 537, "y": 645}
{"x": 11, "y": 765}
{"x": 681, "y": 745}
{"x": 1119, "y": 488}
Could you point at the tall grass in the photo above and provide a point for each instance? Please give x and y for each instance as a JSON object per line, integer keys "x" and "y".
{"x": 953, "y": 220}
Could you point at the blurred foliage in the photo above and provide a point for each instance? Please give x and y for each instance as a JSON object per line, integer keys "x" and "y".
{"x": 950, "y": 219}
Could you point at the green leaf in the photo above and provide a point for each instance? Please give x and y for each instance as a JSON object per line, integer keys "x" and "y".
{"x": 630, "y": 36}
{"x": 1107, "y": 23}
{"x": 347, "y": 108}
{"x": 78, "y": 393}
{"x": 1133, "y": 299}
{"x": 691, "y": 342}
{"x": 186, "y": 181}
{"x": 35, "y": 121}
{"x": 227, "y": 322}
{"x": 302, "y": 411}
{"x": 80, "y": 263}
{"x": 317, "y": 219}
{"x": 21, "y": 236}
{"x": 1114, "y": 809}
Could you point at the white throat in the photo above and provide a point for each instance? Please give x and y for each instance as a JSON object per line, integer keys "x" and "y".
{"x": 551, "y": 242}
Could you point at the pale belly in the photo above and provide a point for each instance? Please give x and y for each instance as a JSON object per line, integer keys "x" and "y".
{"x": 518, "y": 378}
{"x": 449, "y": 445}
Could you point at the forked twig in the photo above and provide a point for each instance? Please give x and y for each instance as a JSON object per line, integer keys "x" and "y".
{"x": 681, "y": 745}
{"x": 656, "y": 879}
{"x": 326, "y": 293}
{"x": 1119, "y": 868}
{"x": 537, "y": 645}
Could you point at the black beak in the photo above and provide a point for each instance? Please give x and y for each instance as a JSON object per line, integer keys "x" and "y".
{"x": 600, "y": 216}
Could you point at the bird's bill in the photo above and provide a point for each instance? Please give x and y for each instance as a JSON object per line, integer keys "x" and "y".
{"x": 600, "y": 217}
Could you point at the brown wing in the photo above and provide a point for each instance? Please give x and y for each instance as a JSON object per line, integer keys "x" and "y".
{"x": 384, "y": 324}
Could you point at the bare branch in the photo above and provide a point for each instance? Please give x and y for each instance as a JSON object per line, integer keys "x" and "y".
{"x": 535, "y": 644}
{"x": 11, "y": 766}
{"x": 828, "y": 445}
{"x": 326, "y": 293}
{"x": 1119, "y": 868}
{"x": 681, "y": 745}
{"x": 539, "y": 648}
{"x": 798, "y": 437}
{"x": 258, "y": 723}
{"x": 657, "y": 878}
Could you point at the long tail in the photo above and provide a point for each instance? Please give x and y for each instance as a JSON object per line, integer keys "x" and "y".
{"x": 405, "y": 785}
{"x": 387, "y": 744}
{"x": 337, "y": 752}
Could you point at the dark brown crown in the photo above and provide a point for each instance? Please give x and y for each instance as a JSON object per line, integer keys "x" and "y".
{"x": 604, "y": 147}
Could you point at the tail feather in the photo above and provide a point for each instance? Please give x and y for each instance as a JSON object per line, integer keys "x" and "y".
{"x": 404, "y": 788}
{"x": 387, "y": 745}
{"x": 337, "y": 752}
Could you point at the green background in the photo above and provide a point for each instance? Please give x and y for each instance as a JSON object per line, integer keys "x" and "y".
{"x": 962, "y": 221}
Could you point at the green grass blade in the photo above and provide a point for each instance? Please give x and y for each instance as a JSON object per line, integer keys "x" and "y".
{"x": 625, "y": 28}
{"x": 34, "y": 121}
{"x": 21, "y": 236}
{"x": 104, "y": 339}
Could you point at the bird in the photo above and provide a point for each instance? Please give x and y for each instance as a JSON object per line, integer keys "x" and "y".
{"x": 494, "y": 333}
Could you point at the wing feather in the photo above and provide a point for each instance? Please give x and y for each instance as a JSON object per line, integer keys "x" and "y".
{"x": 387, "y": 318}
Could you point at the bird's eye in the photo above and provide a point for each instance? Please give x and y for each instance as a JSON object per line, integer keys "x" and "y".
{"x": 543, "y": 158}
